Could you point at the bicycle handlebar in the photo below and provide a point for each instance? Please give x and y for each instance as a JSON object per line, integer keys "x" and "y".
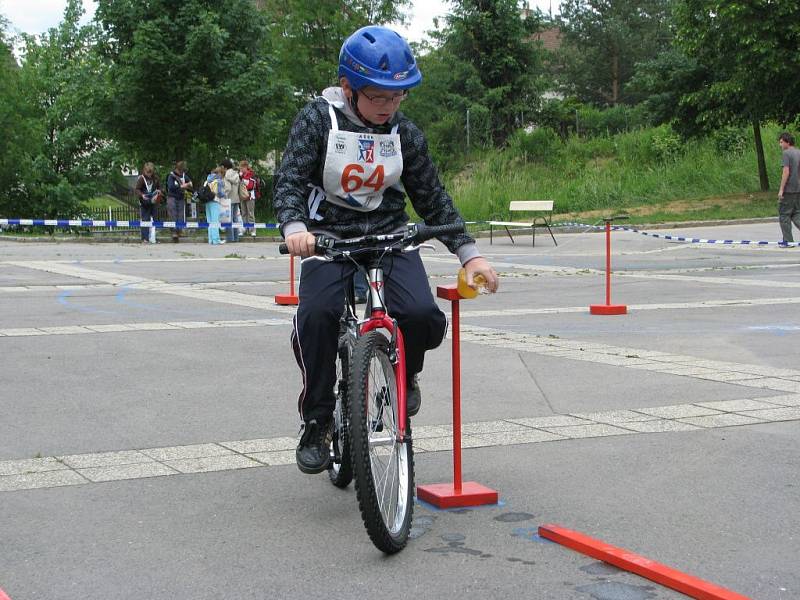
{"x": 415, "y": 234}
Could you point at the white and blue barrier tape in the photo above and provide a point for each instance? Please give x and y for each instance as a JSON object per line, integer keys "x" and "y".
{"x": 680, "y": 238}
{"x": 204, "y": 225}
{"x": 130, "y": 224}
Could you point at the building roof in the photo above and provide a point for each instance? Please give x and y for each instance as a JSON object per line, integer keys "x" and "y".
{"x": 550, "y": 38}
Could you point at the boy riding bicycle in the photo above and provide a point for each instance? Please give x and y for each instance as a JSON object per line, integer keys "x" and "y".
{"x": 349, "y": 161}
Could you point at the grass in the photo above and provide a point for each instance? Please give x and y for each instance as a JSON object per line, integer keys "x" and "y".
{"x": 648, "y": 173}
{"x": 104, "y": 202}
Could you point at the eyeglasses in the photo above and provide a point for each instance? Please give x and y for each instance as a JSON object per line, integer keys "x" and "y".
{"x": 384, "y": 100}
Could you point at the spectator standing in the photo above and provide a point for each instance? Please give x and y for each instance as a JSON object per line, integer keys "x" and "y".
{"x": 178, "y": 182}
{"x": 232, "y": 181}
{"x": 789, "y": 192}
{"x": 216, "y": 182}
{"x": 247, "y": 194}
{"x": 148, "y": 190}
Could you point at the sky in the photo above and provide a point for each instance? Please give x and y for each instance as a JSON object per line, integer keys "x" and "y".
{"x": 36, "y": 16}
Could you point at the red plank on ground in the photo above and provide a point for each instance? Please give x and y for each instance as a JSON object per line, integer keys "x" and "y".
{"x": 644, "y": 567}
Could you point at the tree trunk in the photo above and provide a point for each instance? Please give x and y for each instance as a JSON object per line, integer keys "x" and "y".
{"x": 762, "y": 165}
{"x": 615, "y": 78}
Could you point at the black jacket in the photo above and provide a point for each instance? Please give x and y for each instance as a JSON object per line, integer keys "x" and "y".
{"x": 303, "y": 164}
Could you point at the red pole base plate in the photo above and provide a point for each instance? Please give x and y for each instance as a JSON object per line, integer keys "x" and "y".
{"x": 286, "y": 299}
{"x": 608, "y": 309}
{"x": 444, "y": 495}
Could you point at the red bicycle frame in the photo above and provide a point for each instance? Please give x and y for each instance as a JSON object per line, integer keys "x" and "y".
{"x": 377, "y": 320}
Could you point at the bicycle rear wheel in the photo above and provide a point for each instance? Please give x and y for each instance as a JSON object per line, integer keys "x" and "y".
{"x": 341, "y": 469}
{"x": 382, "y": 466}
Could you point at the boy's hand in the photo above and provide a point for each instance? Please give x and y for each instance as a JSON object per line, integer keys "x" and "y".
{"x": 480, "y": 265}
{"x": 301, "y": 244}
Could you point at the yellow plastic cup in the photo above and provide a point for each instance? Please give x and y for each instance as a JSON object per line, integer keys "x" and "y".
{"x": 466, "y": 291}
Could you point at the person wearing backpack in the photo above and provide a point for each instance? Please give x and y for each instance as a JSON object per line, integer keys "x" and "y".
{"x": 148, "y": 191}
{"x": 232, "y": 183}
{"x": 216, "y": 183}
{"x": 247, "y": 198}
{"x": 178, "y": 181}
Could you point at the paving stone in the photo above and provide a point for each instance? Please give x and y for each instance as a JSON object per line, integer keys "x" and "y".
{"x": 488, "y": 427}
{"x": 587, "y": 431}
{"x": 191, "y": 451}
{"x": 736, "y": 405}
{"x": 263, "y": 445}
{"x": 787, "y": 400}
{"x": 678, "y": 411}
{"x": 280, "y": 457}
{"x": 31, "y": 465}
{"x": 120, "y": 472}
{"x": 721, "y": 420}
{"x": 432, "y": 431}
{"x": 771, "y": 383}
{"x": 651, "y": 366}
{"x": 659, "y": 426}
{"x": 789, "y": 413}
{"x": 211, "y": 463}
{"x": 105, "y": 459}
{"x": 614, "y": 416}
{"x": 441, "y": 444}
{"x": 22, "y": 331}
{"x": 49, "y": 479}
{"x": 551, "y": 421}
{"x": 151, "y": 326}
{"x": 109, "y": 328}
{"x": 506, "y": 438}
{"x": 726, "y": 376}
{"x": 766, "y": 371}
{"x": 66, "y": 330}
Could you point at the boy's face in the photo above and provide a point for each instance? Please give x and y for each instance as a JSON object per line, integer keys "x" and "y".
{"x": 376, "y": 105}
{"x": 784, "y": 144}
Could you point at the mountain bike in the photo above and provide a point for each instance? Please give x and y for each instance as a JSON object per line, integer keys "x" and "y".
{"x": 371, "y": 439}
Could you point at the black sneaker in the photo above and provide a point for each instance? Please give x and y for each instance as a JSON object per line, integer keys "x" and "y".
{"x": 313, "y": 453}
{"x": 413, "y": 396}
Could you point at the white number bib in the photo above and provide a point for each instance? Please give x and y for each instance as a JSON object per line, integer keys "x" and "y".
{"x": 359, "y": 167}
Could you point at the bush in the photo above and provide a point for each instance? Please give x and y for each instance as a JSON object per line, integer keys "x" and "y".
{"x": 730, "y": 140}
{"x": 667, "y": 144}
{"x": 541, "y": 145}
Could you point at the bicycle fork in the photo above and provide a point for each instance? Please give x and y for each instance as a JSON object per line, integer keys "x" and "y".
{"x": 378, "y": 319}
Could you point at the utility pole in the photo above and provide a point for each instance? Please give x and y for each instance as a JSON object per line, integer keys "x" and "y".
{"x": 467, "y": 128}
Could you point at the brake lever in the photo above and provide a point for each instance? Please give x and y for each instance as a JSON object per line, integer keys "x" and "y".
{"x": 316, "y": 257}
{"x": 413, "y": 247}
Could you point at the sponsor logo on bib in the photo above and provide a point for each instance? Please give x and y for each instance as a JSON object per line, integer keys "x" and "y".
{"x": 366, "y": 151}
{"x": 388, "y": 149}
{"x": 340, "y": 144}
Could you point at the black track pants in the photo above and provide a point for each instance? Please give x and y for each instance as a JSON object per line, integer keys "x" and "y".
{"x": 316, "y": 324}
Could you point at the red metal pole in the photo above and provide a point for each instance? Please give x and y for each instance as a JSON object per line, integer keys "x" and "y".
{"x": 456, "y": 400}
{"x": 608, "y": 263}
{"x": 291, "y": 275}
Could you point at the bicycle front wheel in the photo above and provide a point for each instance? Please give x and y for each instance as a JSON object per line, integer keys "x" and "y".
{"x": 382, "y": 466}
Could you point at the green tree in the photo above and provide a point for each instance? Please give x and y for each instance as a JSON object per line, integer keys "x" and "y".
{"x": 307, "y": 36}
{"x": 603, "y": 40}
{"x": 191, "y": 79}
{"x": 496, "y": 38}
{"x": 746, "y": 53}
{"x": 17, "y": 136}
{"x": 450, "y": 87}
{"x": 65, "y": 159}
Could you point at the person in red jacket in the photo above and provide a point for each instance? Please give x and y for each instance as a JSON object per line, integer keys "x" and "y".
{"x": 247, "y": 184}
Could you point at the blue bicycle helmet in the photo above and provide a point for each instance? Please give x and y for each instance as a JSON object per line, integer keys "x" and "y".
{"x": 380, "y": 57}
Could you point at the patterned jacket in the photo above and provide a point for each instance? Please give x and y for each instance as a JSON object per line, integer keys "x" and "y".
{"x": 302, "y": 168}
